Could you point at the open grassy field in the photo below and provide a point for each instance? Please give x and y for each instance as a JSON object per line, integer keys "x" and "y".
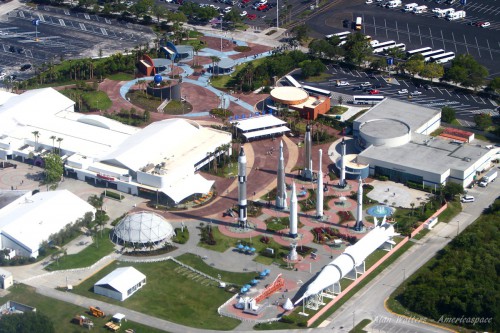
{"x": 86, "y": 257}
{"x": 61, "y": 312}
{"x": 171, "y": 293}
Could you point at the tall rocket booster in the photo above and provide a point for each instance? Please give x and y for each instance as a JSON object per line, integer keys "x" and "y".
{"x": 359, "y": 208}
{"x": 342, "y": 163}
{"x": 307, "y": 172}
{"x": 319, "y": 192}
{"x": 281, "y": 190}
{"x": 242, "y": 188}
{"x": 293, "y": 213}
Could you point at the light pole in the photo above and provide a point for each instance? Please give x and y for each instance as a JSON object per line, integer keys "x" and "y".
{"x": 277, "y": 14}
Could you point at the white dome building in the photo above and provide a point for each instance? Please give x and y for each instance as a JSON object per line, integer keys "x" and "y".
{"x": 143, "y": 228}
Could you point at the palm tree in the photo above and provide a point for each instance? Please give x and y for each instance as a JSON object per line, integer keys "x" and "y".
{"x": 53, "y": 137}
{"x": 59, "y": 141}
{"x": 37, "y": 135}
{"x": 412, "y": 204}
{"x": 215, "y": 60}
{"x": 197, "y": 48}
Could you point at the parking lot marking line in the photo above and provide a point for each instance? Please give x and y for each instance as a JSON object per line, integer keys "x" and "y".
{"x": 397, "y": 30}
{"x": 385, "y": 24}
{"x": 66, "y": 12}
{"x": 447, "y": 91}
{"x": 104, "y": 32}
{"x": 489, "y": 48}
{"x": 61, "y": 22}
{"x": 478, "y": 50}
{"x": 358, "y": 74}
{"x": 87, "y": 16}
{"x": 420, "y": 35}
{"x": 432, "y": 40}
{"x": 375, "y": 26}
{"x": 406, "y": 84}
{"x": 467, "y": 98}
{"x": 41, "y": 18}
{"x": 466, "y": 47}
{"x": 438, "y": 90}
{"x": 107, "y": 21}
{"x": 408, "y": 28}
{"x": 458, "y": 96}
{"x": 454, "y": 43}
{"x": 21, "y": 14}
{"x": 82, "y": 26}
{"x": 474, "y": 98}
{"x": 442, "y": 38}
{"x": 482, "y": 100}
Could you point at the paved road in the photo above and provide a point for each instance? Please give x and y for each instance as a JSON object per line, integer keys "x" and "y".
{"x": 465, "y": 104}
{"x": 369, "y": 302}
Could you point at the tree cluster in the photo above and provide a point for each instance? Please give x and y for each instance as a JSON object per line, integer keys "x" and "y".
{"x": 466, "y": 71}
{"x": 462, "y": 281}
{"x": 416, "y": 65}
{"x": 27, "y": 322}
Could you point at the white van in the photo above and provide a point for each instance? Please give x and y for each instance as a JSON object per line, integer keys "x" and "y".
{"x": 456, "y": 15}
{"x": 409, "y": 7}
{"x": 467, "y": 198}
{"x": 394, "y": 4}
{"x": 419, "y": 9}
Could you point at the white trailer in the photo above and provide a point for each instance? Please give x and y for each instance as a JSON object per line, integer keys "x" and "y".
{"x": 419, "y": 9}
{"x": 394, "y": 4}
{"x": 444, "y": 12}
{"x": 456, "y": 15}
{"x": 409, "y": 7}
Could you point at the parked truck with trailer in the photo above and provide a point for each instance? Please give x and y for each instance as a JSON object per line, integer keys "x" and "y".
{"x": 444, "y": 12}
{"x": 460, "y": 14}
{"x": 488, "y": 178}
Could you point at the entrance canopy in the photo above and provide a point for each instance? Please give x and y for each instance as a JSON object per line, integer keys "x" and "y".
{"x": 187, "y": 186}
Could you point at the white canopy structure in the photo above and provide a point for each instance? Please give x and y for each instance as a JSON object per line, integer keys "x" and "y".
{"x": 351, "y": 258}
{"x": 28, "y": 221}
{"x": 121, "y": 283}
{"x": 143, "y": 228}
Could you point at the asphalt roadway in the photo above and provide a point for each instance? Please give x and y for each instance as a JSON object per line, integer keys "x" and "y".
{"x": 421, "y": 30}
{"x": 368, "y": 303}
{"x": 465, "y": 104}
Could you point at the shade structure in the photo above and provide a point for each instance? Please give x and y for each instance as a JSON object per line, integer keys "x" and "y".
{"x": 246, "y": 248}
{"x": 143, "y": 228}
{"x": 243, "y": 290}
{"x": 240, "y": 246}
{"x": 262, "y": 274}
{"x": 254, "y": 281}
{"x": 252, "y": 249}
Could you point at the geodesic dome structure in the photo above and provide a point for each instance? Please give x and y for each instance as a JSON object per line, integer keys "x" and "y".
{"x": 143, "y": 228}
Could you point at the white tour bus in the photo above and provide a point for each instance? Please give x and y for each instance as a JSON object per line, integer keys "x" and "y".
{"x": 427, "y": 55}
{"x": 381, "y": 47}
{"x": 341, "y": 35}
{"x": 443, "y": 58}
{"x": 367, "y": 99}
{"x": 418, "y": 51}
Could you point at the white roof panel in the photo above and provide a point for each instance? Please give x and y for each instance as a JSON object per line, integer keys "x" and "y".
{"x": 268, "y": 131}
{"x": 258, "y": 122}
{"x": 187, "y": 186}
{"x": 122, "y": 279}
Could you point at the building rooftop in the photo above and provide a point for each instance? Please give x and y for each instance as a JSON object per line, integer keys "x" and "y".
{"x": 385, "y": 128}
{"x": 415, "y": 116}
{"x": 258, "y": 122}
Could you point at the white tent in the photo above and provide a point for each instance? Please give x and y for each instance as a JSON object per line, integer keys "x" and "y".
{"x": 121, "y": 283}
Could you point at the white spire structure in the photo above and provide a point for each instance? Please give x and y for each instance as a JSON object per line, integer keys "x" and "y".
{"x": 319, "y": 191}
{"x": 242, "y": 189}
{"x": 342, "y": 163}
{"x": 307, "y": 172}
{"x": 293, "y": 213}
{"x": 359, "y": 208}
{"x": 281, "y": 188}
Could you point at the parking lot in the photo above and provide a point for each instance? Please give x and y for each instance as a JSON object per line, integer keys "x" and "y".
{"x": 465, "y": 104}
{"x": 62, "y": 34}
{"x": 422, "y": 30}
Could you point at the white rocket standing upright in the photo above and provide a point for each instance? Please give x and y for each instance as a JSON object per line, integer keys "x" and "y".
{"x": 319, "y": 192}
{"x": 359, "y": 208}
{"x": 281, "y": 189}
{"x": 242, "y": 188}
{"x": 342, "y": 164}
{"x": 307, "y": 172}
{"x": 293, "y": 213}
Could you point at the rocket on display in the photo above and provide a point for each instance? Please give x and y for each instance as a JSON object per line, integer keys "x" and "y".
{"x": 281, "y": 188}
{"x": 293, "y": 213}
{"x": 307, "y": 173}
{"x": 319, "y": 190}
{"x": 242, "y": 189}
{"x": 342, "y": 163}
{"x": 359, "y": 208}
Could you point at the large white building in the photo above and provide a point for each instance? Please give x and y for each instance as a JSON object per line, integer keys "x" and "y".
{"x": 161, "y": 159}
{"x": 121, "y": 283}
{"x": 396, "y": 142}
{"x": 27, "y": 220}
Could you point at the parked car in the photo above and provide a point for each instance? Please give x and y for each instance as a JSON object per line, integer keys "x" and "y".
{"x": 467, "y": 198}
{"x": 485, "y": 24}
{"x": 251, "y": 16}
{"x": 427, "y": 86}
{"x": 243, "y": 13}
{"x": 365, "y": 84}
{"x": 261, "y": 7}
{"x": 25, "y": 67}
{"x": 369, "y": 2}
{"x": 345, "y": 23}
{"x": 374, "y": 92}
{"x": 403, "y": 91}
{"x": 416, "y": 93}
{"x": 342, "y": 83}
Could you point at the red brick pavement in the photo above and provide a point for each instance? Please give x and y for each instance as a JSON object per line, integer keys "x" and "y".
{"x": 282, "y": 239}
{"x": 259, "y": 228}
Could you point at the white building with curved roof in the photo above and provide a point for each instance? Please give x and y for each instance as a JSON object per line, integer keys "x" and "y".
{"x": 161, "y": 159}
{"x": 143, "y": 228}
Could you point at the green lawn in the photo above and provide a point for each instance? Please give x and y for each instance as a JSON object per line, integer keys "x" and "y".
{"x": 61, "y": 312}
{"x": 121, "y": 77}
{"x": 177, "y": 108}
{"x": 90, "y": 100}
{"x": 144, "y": 101}
{"x": 231, "y": 277}
{"x": 319, "y": 78}
{"x": 171, "y": 294}
{"x": 222, "y": 242}
{"x": 454, "y": 207}
{"x": 222, "y": 81}
{"x": 91, "y": 254}
{"x": 359, "y": 327}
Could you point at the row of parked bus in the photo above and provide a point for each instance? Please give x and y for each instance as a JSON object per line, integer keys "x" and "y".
{"x": 438, "y": 56}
